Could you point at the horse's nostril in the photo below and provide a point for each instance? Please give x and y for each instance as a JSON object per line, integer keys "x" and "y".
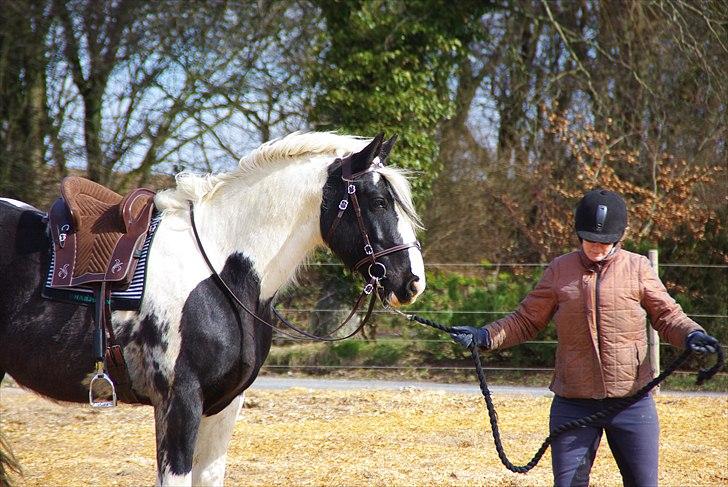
{"x": 412, "y": 285}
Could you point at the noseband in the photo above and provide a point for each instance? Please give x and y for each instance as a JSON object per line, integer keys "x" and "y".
{"x": 376, "y": 270}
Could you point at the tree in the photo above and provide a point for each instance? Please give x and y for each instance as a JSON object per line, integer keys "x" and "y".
{"x": 666, "y": 205}
{"x": 123, "y": 88}
{"x": 23, "y": 117}
{"x": 164, "y": 82}
{"x": 598, "y": 65}
{"x": 386, "y": 67}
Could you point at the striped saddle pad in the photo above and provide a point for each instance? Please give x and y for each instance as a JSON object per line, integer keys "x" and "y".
{"x": 128, "y": 299}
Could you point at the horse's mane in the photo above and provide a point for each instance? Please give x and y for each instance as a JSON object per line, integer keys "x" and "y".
{"x": 296, "y": 146}
{"x": 299, "y": 144}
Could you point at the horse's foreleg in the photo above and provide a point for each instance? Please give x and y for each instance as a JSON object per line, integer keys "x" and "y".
{"x": 212, "y": 443}
{"x": 177, "y": 422}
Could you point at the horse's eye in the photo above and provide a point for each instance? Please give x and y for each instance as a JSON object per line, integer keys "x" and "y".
{"x": 378, "y": 203}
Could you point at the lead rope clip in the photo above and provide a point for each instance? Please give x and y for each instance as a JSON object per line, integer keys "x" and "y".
{"x": 409, "y": 317}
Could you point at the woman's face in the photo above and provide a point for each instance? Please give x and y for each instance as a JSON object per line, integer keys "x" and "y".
{"x": 596, "y": 251}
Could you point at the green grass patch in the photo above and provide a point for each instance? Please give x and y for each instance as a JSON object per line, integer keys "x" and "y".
{"x": 348, "y": 349}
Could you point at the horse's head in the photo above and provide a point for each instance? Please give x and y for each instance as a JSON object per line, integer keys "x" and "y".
{"x": 368, "y": 221}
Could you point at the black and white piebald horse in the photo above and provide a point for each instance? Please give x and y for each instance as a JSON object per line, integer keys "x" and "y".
{"x": 190, "y": 344}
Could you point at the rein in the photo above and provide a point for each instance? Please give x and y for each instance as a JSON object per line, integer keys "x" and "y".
{"x": 368, "y": 290}
{"x": 703, "y": 375}
{"x": 376, "y": 270}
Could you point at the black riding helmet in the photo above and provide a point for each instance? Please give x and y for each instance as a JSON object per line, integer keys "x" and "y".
{"x": 601, "y": 216}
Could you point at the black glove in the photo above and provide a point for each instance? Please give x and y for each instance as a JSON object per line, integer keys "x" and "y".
{"x": 698, "y": 341}
{"x": 468, "y": 336}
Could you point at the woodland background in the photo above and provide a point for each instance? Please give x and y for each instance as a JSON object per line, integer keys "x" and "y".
{"x": 507, "y": 111}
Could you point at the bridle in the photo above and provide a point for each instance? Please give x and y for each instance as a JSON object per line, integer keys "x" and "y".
{"x": 376, "y": 270}
{"x": 370, "y": 255}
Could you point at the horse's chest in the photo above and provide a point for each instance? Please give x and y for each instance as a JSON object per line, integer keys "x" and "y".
{"x": 209, "y": 341}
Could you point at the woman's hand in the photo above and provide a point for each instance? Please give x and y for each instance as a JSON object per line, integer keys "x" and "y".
{"x": 700, "y": 342}
{"x": 471, "y": 336}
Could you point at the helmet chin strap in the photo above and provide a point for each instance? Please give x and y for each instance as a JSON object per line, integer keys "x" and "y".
{"x": 618, "y": 242}
{"x": 615, "y": 246}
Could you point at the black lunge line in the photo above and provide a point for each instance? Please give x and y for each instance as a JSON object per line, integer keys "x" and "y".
{"x": 703, "y": 375}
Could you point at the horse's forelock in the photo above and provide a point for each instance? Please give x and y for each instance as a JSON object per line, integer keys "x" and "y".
{"x": 399, "y": 182}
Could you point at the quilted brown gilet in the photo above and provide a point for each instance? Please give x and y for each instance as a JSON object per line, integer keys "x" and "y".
{"x": 599, "y": 311}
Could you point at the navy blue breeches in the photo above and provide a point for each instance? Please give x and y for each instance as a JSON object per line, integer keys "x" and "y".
{"x": 633, "y": 437}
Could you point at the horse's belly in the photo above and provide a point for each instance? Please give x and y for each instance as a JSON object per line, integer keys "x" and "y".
{"x": 47, "y": 347}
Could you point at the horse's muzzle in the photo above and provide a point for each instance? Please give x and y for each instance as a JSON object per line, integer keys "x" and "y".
{"x": 407, "y": 294}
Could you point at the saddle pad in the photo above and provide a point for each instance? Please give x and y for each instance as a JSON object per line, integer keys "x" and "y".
{"x": 129, "y": 299}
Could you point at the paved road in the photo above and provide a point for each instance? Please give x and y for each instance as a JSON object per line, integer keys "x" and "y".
{"x": 271, "y": 382}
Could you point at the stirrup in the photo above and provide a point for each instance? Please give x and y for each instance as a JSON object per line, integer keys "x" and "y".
{"x": 101, "y": 377}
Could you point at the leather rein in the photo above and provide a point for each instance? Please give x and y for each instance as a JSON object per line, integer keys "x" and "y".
{"x": 376, "y": 270}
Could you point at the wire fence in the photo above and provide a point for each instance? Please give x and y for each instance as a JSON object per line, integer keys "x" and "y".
{"x": 471, "y": 315}
{"x": 430, "y": 368}
{"x": 435, "y": 312}
{"x": 487, "y": 265}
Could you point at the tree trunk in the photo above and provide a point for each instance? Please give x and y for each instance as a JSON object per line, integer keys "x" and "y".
{"x": 92, "y": 137}
{"x": 23, "y": 115}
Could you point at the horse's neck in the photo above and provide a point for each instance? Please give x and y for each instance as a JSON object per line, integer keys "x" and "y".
{"x": 272, "y": 219}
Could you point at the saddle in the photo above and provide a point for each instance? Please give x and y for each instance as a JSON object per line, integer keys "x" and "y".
{"x": 97, "y": 238}
{"x": 97, "y": 233}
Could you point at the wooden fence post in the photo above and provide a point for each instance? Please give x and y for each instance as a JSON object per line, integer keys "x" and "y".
{"x": 653, "y": 339}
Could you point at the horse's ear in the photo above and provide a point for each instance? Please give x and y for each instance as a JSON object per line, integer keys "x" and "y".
{"x": 363, "y": 159}
{"x": 386, "y": 149}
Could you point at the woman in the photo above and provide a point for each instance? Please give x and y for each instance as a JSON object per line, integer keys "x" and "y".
{"x": 598, "y": 297}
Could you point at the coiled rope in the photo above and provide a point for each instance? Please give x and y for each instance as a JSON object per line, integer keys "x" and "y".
{"x": 703, "y": 375}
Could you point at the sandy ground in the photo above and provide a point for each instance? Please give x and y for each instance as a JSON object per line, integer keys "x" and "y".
{"x": 305, "y": 437}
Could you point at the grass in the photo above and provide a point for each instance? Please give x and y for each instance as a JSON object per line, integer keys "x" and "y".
{"x": 304, "y": 437}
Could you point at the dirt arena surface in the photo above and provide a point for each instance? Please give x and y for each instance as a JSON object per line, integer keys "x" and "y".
{"x": 304, "y": 437}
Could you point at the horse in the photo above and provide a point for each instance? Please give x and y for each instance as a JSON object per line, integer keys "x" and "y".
{"x": 191, "y": 348}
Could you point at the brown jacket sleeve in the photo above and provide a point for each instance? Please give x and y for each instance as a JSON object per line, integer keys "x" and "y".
{"x": 666, "y": 316}
{"x": 531, "y": 316}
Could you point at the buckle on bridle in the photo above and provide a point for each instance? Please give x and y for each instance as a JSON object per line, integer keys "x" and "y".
{"x": 368, "y": 249}
{"x": 351, "y": 189}
{"x": 343, "y": 205}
